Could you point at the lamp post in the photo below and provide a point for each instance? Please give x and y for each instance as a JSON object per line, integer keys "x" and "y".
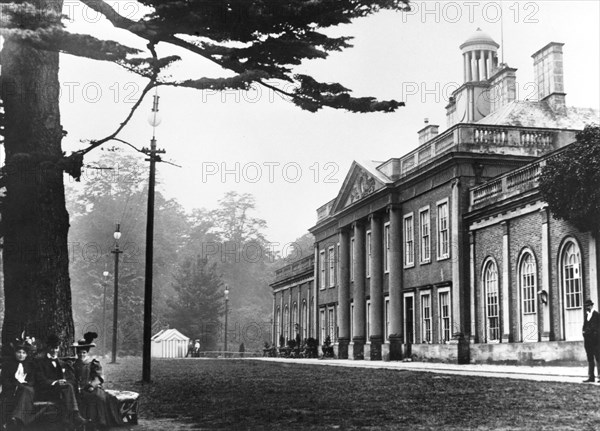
{"x": 226, "y": 312}
{"x": 153, "y": 157}
{"x": 116, "y": 252}
{"x": 104, "y": 282}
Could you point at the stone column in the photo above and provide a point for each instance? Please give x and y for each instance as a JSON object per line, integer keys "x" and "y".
{"x": 315, "y": 308}
{"x": 274, "y": 325}
{"x": 482, "y": 65}
{"x": 395, "y": 278}
{"x": 466, "y": 66}
{"x": 376, "y": 291}
{"x": 344, "y": 294}
{"x": 457, "y": 263}
{"x": 486, "y": 65}
{"x": 290, "y": 330}
{"x": 505, "y": 286}
{"x": 472, "y": 326}
{"x": 472, "y": 65}
{"x": 544, "y": 288}
{"x": 359, "y": 291}
{"x": 281, "y": 317}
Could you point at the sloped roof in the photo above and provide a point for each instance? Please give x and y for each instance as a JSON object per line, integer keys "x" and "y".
{"x": 371, "y": 167}
{"x": 169, "y": 334}
{"x": 524, "y": 113}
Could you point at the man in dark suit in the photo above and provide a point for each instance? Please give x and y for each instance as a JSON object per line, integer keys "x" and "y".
{"x": 51, "y": 384}
{"x": 591, "y": 339}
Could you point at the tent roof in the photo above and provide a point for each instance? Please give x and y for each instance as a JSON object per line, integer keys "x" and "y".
{"x": 169, "y": 334}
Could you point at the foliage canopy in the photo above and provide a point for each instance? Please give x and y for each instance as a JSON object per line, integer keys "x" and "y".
{"x": 570, "y": 181}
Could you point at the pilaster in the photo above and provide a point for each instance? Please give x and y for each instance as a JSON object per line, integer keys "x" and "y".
{"x": 359, "y": 291}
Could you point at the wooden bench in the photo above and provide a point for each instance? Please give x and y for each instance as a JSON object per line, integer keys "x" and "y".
{"x": 128, "y": 407}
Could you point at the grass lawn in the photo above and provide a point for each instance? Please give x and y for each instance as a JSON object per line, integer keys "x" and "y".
{"x": 251, "y": 395}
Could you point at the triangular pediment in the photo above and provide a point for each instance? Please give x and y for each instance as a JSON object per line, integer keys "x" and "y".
{"x": 359, "y": 183}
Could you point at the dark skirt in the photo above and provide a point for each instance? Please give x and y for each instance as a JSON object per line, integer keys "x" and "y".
{"x": 101, "y": 408}
{"x": 17, "y": 402}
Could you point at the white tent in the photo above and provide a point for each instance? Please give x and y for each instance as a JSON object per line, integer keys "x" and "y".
{"x": 169, "y": 343}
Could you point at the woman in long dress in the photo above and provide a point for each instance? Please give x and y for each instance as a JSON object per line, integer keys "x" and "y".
{"x": 17, "y": 381}
{"x": 95, "y": 404}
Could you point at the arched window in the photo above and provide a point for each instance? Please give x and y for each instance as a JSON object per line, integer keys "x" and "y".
{"x": 571, "y": 283}
{"x": 528, "y": 291}
{"x": 492, "y": 303}
{"x": 571, "y": 266}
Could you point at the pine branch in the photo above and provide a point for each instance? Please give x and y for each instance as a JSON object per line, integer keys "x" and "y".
{"x": 306, "y": 96}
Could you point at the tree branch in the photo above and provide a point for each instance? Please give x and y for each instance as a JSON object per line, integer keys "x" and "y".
{"x": 145, "y": 32}
{"x": 112, "y": 136}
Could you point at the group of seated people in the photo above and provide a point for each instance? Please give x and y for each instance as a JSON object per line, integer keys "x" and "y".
{"x": 74, "y": 387}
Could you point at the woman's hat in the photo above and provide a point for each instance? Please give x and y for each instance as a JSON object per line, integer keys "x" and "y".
{"x": 86, "y": 341}
{"x": 23, "y": 343}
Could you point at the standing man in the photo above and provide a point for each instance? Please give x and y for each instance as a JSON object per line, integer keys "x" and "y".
{"x": 591, "y": 339}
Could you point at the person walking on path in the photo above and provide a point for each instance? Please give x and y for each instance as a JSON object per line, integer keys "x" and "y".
{"x": 591, "y": 339}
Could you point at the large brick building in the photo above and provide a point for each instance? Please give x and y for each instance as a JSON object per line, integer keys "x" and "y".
{"x": 452, "y": 237}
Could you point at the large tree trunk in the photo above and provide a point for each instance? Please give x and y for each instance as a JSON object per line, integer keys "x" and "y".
{"x": 35, "y": 222}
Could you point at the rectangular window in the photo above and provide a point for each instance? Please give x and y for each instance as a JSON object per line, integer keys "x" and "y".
{"x": 323, "y": 326}
{"x": 426, "y": 318}
{"x": 331, "y": 321}
{"x": 322, "y": 268}
{"x": 368, "y": 254}
{"x": 443, "y": 233}
{"x": 386, "y": 248}
{"x": 409, "y": 244}
{"x": 368, "y": 321}
{"x": 445, "y": 316}
{"x": 352, "y": 259}
{"x": 387, "y": 318}
{"x": 331, "y": 267}
{"x": 425, "y": 236}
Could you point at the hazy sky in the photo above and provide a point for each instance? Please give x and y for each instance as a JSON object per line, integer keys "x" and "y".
{"x": 293, "y": 161}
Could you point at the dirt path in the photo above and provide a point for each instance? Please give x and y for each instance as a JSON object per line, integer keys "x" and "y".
{"x": 160, "y": 425}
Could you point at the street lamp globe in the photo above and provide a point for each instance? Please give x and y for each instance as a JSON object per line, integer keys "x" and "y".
{"x": 226, "y": 291}
{"x": 105, "y": 273}
{"x": 117, "y": 233}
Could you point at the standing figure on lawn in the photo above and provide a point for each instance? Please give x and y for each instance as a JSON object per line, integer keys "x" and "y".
{"x": 100, "y": 408}
{"x": 17, "y": 386}
{"x": 51, "y": 384}
{"x": 591, "y": 339}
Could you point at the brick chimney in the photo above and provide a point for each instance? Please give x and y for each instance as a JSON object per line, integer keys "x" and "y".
{"x": 428, "y": 132}
{"x": 548, "y": 69}
{"x": 503, "y": 87}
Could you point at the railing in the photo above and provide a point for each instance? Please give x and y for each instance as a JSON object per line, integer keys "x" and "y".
{"x": 295, "y": 268}
{"x": 507, "y": 185}
{"x": 536, "y": 138}
{"x": 488, "y": 190}
{"x": 529, "y": 173}
{"x": 489, "y": 135}
{"x": 468, "y": 137}
{"x": 324, "y": 210}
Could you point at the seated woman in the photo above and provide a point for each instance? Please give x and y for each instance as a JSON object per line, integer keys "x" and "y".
{"x": 95, "y": 404}
{"x": 17, "y": 386}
